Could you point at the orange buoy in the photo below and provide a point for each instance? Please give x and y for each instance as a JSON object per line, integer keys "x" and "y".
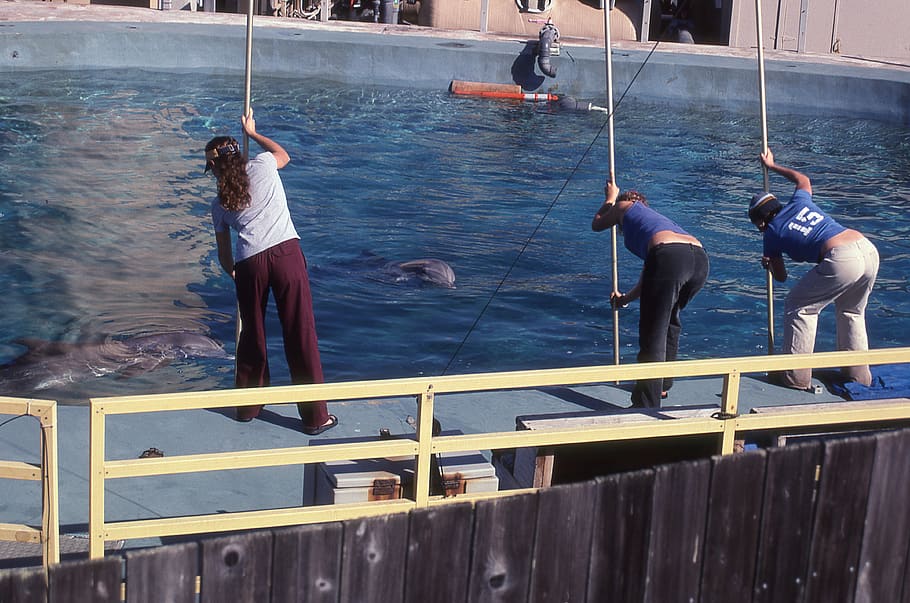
{"x": 506, "y": 91}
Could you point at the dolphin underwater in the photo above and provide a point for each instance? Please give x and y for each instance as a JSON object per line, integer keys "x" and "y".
{"x": 428, "y": 270}
{"x": 50, "y": 364}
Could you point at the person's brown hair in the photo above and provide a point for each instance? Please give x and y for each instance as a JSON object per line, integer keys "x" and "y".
{"x": 233, "y": 181}
{"x": 633, "y": 196}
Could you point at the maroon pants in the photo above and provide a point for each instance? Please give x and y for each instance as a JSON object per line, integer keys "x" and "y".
{"x": 281, "y": 269}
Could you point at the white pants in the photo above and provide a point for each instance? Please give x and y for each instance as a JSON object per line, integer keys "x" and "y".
{"x": 845, "y": 276}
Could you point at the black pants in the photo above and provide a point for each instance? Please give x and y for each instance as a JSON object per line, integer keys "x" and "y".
{"x": 672, "y": 275}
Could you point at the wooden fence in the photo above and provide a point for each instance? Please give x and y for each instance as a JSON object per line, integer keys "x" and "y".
{"x": 820, "y": 521}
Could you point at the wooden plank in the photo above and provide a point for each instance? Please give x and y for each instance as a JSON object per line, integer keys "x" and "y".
{"x": 619, "y": 543}
{"x": 23, "y": 586}
{"x": 373, "y": 562}
{"x": 439, "y": 554}
{"x": 20, "y": 470}
{"x": 543, "y": 468}
{"x": 166, "y": 573}
{"x": 871, "y": 405}
{"x": 621, "y": 417}
{"x": 564, "y": 521}
{"x": 95, "y": 580}
{"x": 883, "y": 558}
{"x": 837, "y": 531}
{"x": 788, "y": 504}
{"x": 734, "y": 522}
{"x": 236, "y": 568}
{"x": 678, "y": 519}
{"x": 570, "y": 463}
{"x": 306, "y": 564}
{"x": 15, "y": 532}
{"x": 906, "y": 597}
{"x": 502, "y": 550}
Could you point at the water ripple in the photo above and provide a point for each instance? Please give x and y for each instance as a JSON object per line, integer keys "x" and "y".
{"x": 105, "y": 230}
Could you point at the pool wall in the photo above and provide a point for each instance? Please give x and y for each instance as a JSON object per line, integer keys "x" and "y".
{"x": 680, "y": 74}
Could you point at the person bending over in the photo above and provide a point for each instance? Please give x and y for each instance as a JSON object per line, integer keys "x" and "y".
{"x": 675, "y": 269}
{"x": 251, "y": 200}
{"x": 846, "y": 264}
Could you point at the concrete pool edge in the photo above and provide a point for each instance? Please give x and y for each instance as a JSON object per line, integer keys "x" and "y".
{"x": 401, "y": 56}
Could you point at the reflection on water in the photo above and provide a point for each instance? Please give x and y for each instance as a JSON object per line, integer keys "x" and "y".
{"x": 105, "y": 232}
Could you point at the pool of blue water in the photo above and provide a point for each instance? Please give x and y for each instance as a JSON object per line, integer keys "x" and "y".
{"x": 105, "y": 230}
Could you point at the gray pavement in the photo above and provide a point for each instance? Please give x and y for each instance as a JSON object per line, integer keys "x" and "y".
{"x": 204, "y": 431}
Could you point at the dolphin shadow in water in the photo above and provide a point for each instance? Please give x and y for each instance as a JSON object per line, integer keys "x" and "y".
{"x": 49, "y": 364}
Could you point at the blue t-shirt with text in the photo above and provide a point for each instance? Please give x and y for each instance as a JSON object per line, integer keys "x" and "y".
{"x": 800, "y": 229}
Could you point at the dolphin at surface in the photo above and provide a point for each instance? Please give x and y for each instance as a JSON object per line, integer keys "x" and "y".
{"x": 376, "y": 267}
{"x": 429, "y": 270}
{"x": 49, "y": 364}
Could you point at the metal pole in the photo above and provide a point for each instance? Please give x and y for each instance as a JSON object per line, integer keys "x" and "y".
{"x": 608, "y": 53}
{"x": 247, "y": 86}
{"x": 248, "y": 75}
{"x": 769, "y": 281}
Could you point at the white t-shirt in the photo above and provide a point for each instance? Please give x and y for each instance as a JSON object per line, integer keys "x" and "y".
{"x": 267, "y": 221}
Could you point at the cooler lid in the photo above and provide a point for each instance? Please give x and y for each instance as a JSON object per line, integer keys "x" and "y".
{"x": 470, "y": 465}
{"x": 361, "y": 473}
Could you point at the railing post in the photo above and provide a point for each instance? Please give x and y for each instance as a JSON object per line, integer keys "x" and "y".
{"x": 46, "y": 471}
{"x": 96, "y": 482}
{"x": 729, "y": 408}
{"x": 424, "y": 447}
{"x": 50, "y": 520}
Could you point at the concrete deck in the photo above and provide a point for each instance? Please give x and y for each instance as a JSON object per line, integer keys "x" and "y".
{"x": 202, "y": 431}
{"x": 44, "y": 35}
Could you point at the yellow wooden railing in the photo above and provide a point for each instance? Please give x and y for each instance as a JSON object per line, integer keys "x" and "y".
{"x": 48, "y": 535}
{"x": 727, "y": 424}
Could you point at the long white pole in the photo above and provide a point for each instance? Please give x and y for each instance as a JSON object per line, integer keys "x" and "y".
{"x": 247, "y": 80}
{"x": 608, "y": 55}
{"x": 247, "y": 87}
{"x": 769, "y": 282}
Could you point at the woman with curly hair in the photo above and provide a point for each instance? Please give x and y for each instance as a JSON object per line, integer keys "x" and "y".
{"x": 676, "y": 268}
{"x": 251, "y": 200}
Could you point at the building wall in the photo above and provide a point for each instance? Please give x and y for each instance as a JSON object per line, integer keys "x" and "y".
{"x": 857, "y": 28}
{"x": 573, "y": 18}
{"x": 864, "y": 28}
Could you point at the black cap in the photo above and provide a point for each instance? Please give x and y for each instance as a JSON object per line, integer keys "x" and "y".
{"x": 762, "y": 206}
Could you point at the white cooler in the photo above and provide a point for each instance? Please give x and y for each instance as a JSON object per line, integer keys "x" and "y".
{"x": 386, "y": 479}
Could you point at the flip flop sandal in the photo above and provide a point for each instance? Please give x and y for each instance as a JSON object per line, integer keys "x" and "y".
{"x": 314, "y": 431}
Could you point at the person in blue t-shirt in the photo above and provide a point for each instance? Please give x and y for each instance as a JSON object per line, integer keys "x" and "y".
{"x": 676, "y": 268}
{"x": 846, "y": 265}
{"x": 251, "y": 201}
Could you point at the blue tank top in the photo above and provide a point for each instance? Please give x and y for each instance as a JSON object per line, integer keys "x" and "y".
{"x": 639, "y": 225}
{"x": 799, "y": 230}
